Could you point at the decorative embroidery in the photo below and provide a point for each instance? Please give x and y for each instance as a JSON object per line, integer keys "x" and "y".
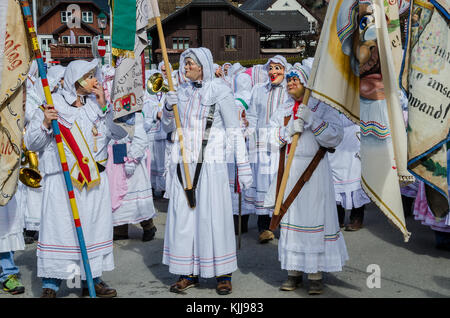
{"x": 303, "y": 229}
{"x": 374, "y": 128}
{"x": 320, "y": 128}
{"x": 332, "y": 237}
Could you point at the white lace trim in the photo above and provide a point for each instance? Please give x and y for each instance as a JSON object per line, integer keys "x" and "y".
{"x": 12, "y": 242}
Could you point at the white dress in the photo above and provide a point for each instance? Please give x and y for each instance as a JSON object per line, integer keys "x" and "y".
{"x": 265, "y": 100}
{"x": 241, "y": 87}
{"x": 310, "y": 238}
{"x": 158, "y": 141}
{"x": 29, "y": 200}
{"x": 346, "y": 166}
{"x": 11, "y": 227}
{"x": 58, "y": 251}
{"x": 201, "y": 241}
{"x": 136, "y": 202}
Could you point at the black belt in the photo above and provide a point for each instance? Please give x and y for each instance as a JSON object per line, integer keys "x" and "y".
{"x": 190, "y": 193}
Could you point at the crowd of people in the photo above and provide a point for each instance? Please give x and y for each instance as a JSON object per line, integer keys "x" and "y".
{"x": 237, "y": 126}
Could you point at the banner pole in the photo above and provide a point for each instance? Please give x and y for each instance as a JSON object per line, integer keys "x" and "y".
{"x": 62, "y": 156}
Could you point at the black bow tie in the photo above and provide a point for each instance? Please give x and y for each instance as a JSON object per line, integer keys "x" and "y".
{"x": 197, "y": 84}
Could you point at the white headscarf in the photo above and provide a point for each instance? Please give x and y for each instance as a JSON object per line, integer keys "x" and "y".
{"x": 302, "y": 71}
{"x": 213, "y": 89}
{"x": 205, "y": 59}
{"x": 54, "y": 75}
{"x": 235, "y": 69}
{"x": 278, "y": 59}
{"x": 75, "y": 71}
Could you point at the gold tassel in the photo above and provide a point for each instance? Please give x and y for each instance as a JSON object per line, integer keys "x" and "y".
{"x": 123, "y": 53}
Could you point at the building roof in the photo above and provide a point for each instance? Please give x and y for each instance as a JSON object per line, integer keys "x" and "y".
{"x": 282, "y": 21}
{"x": 257, "y": 4}
{"x": 217, "y": 4}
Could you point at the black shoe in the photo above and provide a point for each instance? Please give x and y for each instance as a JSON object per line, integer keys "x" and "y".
{"x": 315, "y": 287}
{"x": 48, "y": 293}
{"x": 149, "y": 234}
{"x": 291, "y": 283}
{"x": 28, "y": 236}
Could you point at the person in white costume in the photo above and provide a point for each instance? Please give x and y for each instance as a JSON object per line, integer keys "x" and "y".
{"x": 310, "y": 239}
{"x": 241, "y": 87}
{"x": 200, "y": 241}
{"x": 265, "y": 99}
{"x": 128, "y": 170}
{"x": 158, "y": 136}
{"x": 259, "y": 75}
{"x": 30, "y": 199}
{"x": 85, "y": 120}
{"x": 346, "y": 166}
{"x": 11, "y": 240}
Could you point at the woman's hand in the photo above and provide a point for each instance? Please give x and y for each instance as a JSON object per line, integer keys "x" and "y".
{"x": 50, "y": 113}
{"x": 97, "y": 89}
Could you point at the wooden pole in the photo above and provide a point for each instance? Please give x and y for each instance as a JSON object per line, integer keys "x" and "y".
{"x": 284, "y": 180}
{"x": 175, "y": 108}
{"x": 59, "y": 145}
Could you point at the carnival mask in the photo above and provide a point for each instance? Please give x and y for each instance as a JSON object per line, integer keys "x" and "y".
{"x": 295, "y": 88}
{"x": 371, "y": 82}
{"x": 193, "y": 71}
{"x": 276, "y": 73}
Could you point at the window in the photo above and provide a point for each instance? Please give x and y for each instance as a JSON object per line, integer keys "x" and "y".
{"x": 66, "y": 39}
{"x": 180, "y": 43}
{"x": 230, "y": 42}
{"x": 65, "y": 16}
{"x": 87, "y": 16}
{"x": 108, "y": 49}
{"x": 45, "y": 44}
{"x": 84, "y": 39}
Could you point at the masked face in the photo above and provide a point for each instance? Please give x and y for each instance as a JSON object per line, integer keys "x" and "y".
{"x": 163, "y": 70}
{"x": 295, "y": 88}
{"x": 219, "y": 72}
{"x": 371, "y": 82}
{"x": 87, "y": 83}
{"x": 193, "y": 70}
{"x": 225, "y": 69}
{"x": 276, "y": 73}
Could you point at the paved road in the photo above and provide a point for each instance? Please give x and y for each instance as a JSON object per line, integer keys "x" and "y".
{"x": 413, "y": 269}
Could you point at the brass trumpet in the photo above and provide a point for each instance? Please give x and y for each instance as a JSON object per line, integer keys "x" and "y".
{"x": 155, "y": 84}
{"x": 30, "y": 176}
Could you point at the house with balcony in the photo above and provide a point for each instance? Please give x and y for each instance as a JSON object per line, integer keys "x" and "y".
{"x": 67, "y": 29}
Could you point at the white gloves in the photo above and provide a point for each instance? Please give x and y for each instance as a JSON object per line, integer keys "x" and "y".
{"x": 245, "y": 176}
{"x": 245, "y": 182}
{"x": 304, "y": 115}
{"x": 171, "y": 99}
{"x": 129, "y": 166}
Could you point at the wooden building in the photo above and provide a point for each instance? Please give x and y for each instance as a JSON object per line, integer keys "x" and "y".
{"x": 230, "y": 33}
{"x": 64, "y": 43}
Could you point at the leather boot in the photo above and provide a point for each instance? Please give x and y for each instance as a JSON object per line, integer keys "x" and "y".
{"x": 356, "y": 219}
{"x": 244, "y": 223}
{"x": 120, "y": 232}
{"x": 149, "y": 230}
{"x": 341, "y": 216}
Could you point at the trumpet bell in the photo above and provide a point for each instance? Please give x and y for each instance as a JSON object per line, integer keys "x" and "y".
{"x": 30, "y": 177}
{"x": 155, "y": 84}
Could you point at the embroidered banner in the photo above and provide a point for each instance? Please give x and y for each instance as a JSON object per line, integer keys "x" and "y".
{"x": 346, "y": 74}
{"x": 15, "y": 58}
{"x": 128, "y": 82}
{"x": 429, "y": 101}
